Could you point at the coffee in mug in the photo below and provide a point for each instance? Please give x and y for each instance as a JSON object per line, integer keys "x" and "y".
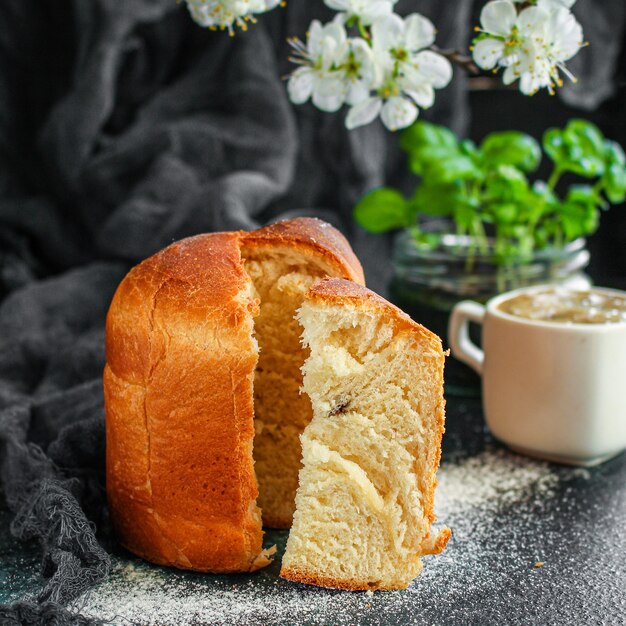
{"x": 553, "y": 366}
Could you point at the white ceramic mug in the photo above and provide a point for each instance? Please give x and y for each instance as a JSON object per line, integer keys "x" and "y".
{"x": 550, "y": 389}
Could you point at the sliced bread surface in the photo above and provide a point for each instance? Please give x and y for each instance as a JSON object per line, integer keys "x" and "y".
{"x": 364, "y": 506}
{"x": 283, "y": 260}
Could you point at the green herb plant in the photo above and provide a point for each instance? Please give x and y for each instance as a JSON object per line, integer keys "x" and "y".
{"x": 486, "y": 192}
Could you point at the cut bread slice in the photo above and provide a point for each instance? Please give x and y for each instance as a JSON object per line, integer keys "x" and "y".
{"x": 364, "y": 505}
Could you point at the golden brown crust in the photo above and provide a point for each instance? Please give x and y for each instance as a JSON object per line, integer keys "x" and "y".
{"x": 337, "y": 583}
{"x": 315, "y": 236}
{"x": 179, "y": 415}
{"x": 436, "y": 544}
{"x": 178, "y": 398}
{"x": 338, "y": 290}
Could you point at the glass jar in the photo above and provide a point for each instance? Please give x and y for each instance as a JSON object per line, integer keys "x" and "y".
{"x": 428, "y": 282}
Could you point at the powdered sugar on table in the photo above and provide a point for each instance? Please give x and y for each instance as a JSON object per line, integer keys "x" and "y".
{"x": 492, "y": 502}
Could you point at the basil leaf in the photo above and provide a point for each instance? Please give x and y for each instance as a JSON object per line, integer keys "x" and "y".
{"x": 423, "y": 134}
{"x": 506, "y": 183}
{"x": 381, "y": 210}
{"x": 455, "y": 168}
{"x": 511, "y": 148}
{"x": 587, "y": 135}
{"x": 436, "y": 200}
{"x": 579, "y": 213}
{"x": 615, "y": 183}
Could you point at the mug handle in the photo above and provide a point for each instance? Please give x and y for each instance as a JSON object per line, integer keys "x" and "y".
{"x": 463, "y": 348}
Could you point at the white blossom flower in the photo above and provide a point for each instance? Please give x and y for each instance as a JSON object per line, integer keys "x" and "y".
{"x": 408, "y": 74}
{"x": 368, "y": 11}
{"x": 332, "y": 67}
{"x": 532, "y": 46}
{"x": 227, "y": 14}
{"x": 552, "y": 5}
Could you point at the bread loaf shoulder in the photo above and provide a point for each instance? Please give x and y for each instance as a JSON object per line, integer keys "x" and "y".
{"x": 313, "y": 237}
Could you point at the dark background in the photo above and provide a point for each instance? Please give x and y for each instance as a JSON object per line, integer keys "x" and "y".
{"x": 124, "y": 126}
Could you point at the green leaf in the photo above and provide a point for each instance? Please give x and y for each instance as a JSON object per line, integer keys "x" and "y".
{"x": 587, "y": 135}
{"x": 468, "y": 147}
{"x": 429, "y": 156}
{"x": 436, "y": 200}
{"x": 583, "y": 194}
{"x": 381, "y": 210}
{"x": 504, "y": 213}
{"x": 540, "y": 201}
{"x": 579, "y": 213}
{"x": 541, "y": 190}
{"x": 511, "y": 148}
{"x": 464, "y": 216}
{"x": 587, "y": 166}
{"x": 424, "y": 134}
{"x": 429, "y": 240}
{"x": 554, "y": 145}
{"x": 579, "y": 148}
{"x": 506, "y": 183}
{"x": 454, "y": 168}
{"x": 614, "y": 153}
{"x": 614, "y": 181}
{"x": 428, "y": 145}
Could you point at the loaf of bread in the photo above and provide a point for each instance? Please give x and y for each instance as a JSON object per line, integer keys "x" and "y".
{"x": 364, "y": 506}
{"x": 203, "y": 351}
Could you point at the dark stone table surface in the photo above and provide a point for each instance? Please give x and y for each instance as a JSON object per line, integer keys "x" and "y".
{"x": 533, "y": 543}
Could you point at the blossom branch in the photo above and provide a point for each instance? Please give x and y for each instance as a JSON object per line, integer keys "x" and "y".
{"x": 456, "y": 57}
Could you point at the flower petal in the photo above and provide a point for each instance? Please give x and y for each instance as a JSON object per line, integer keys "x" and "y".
{"x": 338, "y": 5}
{"x": 398, "y": 113}
{"x": 300, "y": 85}
{"x": 487, "y": 52}
{"x": 423, "y": 95}
{"x": 387, "y": 32}
{"x": 528, "y": 84}
{"x": 358, "y": 91}
{"x": 314, "y": 38}
{"x": 370, "y": 68}
{"x": 498, "y": 17}
{"x": 419, "y": 32}
{"x": 511, "y": 74}
{"x": 363, "y": 113}
{"x": 567, "y": 35}
{"x": 329, "y": 102}
{"x": 434, "y": 68}
{"x": 375, "y": 10}
{"x": 330, "y": 84}
{"x": 533, "y": 23}
{"x": 553, "y": 5}
{"x": 270, "y": 4}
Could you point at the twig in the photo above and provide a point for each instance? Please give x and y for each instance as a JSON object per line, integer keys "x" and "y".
{"x": 458, "y": 58}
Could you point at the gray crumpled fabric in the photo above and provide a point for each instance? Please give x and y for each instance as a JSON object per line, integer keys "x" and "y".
{"x": 124, "y": 126}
